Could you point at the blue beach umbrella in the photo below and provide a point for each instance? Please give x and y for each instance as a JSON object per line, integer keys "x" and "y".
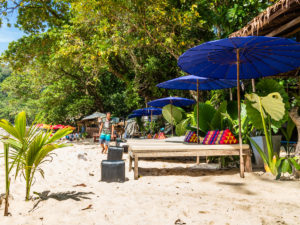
{"x": 190, "y": 82}
{"x": 196, "y": 83}
{"x": 241, "y": 58}
{"x": 150, "y": 111}
{"x": 176, "y": 101}
{"x": 133, "y": 115}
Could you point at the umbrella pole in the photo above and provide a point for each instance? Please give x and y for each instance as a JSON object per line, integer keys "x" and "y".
{"x": 197, "y": 111}
{"x": 172, "y": 121}
{"x": 151, "y": 123}
{"x": 239, "y": 112}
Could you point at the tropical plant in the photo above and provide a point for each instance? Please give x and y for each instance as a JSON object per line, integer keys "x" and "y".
{"x": 287, "y": 133}
{"x": 264, "y": 88}
{"x": 211, "y": 118}
{"x": 271, "y": 107}
{"x": 7, "y": 179}
{"x": 31, "y": 147}
{"x": 172, "y": 114}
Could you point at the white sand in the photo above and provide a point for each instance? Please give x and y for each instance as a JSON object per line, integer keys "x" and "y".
{"x": 160, "y": 197}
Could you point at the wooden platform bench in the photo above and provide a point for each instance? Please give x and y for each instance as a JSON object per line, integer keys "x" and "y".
{"x": 159, "y": 149}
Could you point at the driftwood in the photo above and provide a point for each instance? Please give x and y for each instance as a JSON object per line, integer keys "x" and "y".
{"x": 296, "y": 119}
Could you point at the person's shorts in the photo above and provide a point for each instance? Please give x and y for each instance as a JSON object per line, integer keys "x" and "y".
{"x": 104, "y": 139}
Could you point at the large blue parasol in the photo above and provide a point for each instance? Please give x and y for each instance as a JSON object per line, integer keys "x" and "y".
{"x": 133, "y": 115}
{"x": 196, "y": 83}
{"x": 148, "y": 111}
{"x": 241, "y": 58}
{"x": 190, "y": 82}
{"x": 176, "y": 101}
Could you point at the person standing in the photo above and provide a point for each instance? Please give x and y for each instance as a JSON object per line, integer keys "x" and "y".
{"x": 106, "y": 131}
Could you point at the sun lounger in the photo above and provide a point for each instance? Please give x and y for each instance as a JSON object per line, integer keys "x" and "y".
{"x": 158, "y": 149}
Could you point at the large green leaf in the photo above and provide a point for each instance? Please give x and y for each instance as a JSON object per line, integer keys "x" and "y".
{"x": 267, "y": 86}
{"x": 232, "y": 109}
{"x": 172, "y": 114}
{"x": 206, "y": 114}
{"x": 181, "y": 128}
{"x": 286, "y": 167}
{"x": 273, "y": 105}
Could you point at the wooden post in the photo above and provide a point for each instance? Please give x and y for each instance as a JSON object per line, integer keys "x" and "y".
{"x": 172, "y": 120}
{"x": 130, "y": 162}
{"x": 136, "y": 168}
{"x": 197, "y": 111}
{"x": 253, "y": 85}
{"x": 197, "y": 160}
{"x": 239, "y": 112}
{"x": 151, "y": 123}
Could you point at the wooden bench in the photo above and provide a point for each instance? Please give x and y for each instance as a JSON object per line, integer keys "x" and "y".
{"x": 160, "y": 149}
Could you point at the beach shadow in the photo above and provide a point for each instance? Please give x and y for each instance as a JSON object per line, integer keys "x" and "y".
{"x": 238, "y": 187}
{"x": 182, "y": 171}
{"x": 61, "y": 196}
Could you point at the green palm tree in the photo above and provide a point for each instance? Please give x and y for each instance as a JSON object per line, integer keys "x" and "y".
{"x": 30, "y": 147}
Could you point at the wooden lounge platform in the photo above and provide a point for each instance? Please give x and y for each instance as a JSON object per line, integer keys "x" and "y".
{"x": 138, "y": 149}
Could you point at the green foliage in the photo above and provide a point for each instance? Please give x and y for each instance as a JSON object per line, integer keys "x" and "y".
{"x": 30, "y": 147}
{"x": 73, "y": 62}
{"x": 288, "y": 132}
{"x": 211, "y": 118}
{"x": 181, "y": 128}
{"x": 172, "y": 114}
{"x": 264, "y": 88}
{"x": 7, "y": 179}
{"x": 270, "y": 107}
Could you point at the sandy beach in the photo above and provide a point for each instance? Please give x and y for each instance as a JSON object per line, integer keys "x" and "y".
{"x": 168, "y": 192}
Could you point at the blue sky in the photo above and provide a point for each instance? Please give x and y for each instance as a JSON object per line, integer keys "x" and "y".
{"x": 8, "y": 34}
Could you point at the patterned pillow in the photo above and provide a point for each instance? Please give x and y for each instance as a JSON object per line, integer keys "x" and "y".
{"x": 226, "y": 137}
{"x": 191, "y": 137}
{"x": 210, "y": 137}
{"x": 216, "y": 137}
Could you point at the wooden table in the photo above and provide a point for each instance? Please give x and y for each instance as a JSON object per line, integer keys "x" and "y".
{"x": 161, "y": 149}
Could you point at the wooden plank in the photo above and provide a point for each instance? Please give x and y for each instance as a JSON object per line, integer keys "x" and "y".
{"x": 182, "y": 154}
{"x": 182, "y": 147}
{"x": 248, "y": 163}
{"x": 130, "y": 162}
{"x": 136, "y": 168}
{"x": 197, "y": 160}
{"x": 284, "y": 27}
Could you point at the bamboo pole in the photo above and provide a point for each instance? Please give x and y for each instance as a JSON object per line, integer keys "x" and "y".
{"x": 172, "y": 120}
{"x": 151, "y": 122}
{"x": 253, "y": 85}
{"x": 197, "y": 111}
{"x": 239, "y": 112}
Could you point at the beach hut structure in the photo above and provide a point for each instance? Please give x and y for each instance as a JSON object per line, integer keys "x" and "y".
{"x": 90, "y": 123}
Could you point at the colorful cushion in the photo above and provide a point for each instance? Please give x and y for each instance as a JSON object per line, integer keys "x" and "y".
{"x": 155, "y": 136}
{"x": 227, "y": 138}
{"x": 216, "y": 137}
{"x": 210, "y": 137}
{"x": 191, "y": 137}
{"x": 161, "y": 135}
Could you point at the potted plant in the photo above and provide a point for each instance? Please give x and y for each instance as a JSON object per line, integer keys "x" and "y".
{"x": 264, "y": 88}
{"x": 271, "y": 107}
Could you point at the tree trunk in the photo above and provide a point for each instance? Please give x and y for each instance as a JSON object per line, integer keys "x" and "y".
{"x": 296, "y": 119}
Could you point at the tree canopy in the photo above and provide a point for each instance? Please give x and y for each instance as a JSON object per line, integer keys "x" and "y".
{"x": 85, "y": 56}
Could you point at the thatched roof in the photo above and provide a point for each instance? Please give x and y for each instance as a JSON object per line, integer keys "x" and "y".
{"x": 95, "y": 115}
{"x": 281, "y": 19}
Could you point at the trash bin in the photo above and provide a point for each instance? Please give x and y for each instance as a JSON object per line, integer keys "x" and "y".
{"x": 113, "y": 171}
{"x": 115, "y": 153}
